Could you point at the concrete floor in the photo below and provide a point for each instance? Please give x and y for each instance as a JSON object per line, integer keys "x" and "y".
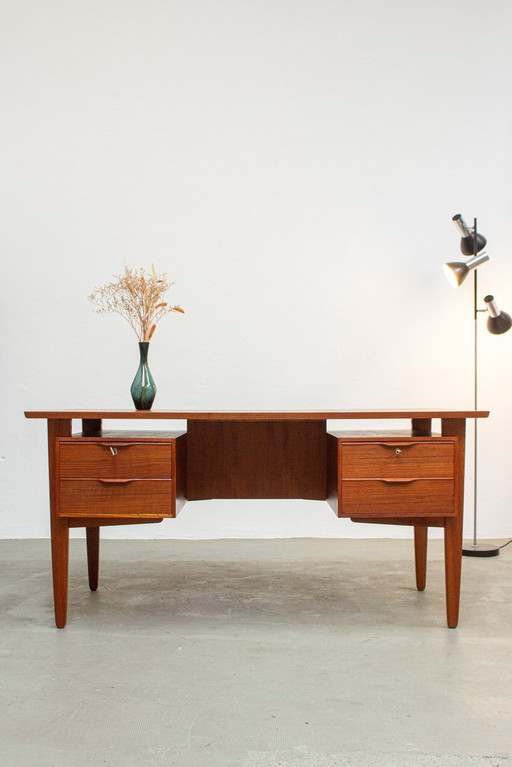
{"x": 243, "y": 653}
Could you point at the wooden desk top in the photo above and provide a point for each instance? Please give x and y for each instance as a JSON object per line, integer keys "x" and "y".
{"x": 255, "y": 415}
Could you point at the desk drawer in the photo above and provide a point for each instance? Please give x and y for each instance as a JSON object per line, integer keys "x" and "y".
{"x": 410, "y": 497}
{"x": 115, "y": 460}
{"x": 397, "y": 460}
{"x": 121, "y": 498}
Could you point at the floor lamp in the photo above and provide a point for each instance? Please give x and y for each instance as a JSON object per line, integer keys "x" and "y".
{"x": 472, "y": 245}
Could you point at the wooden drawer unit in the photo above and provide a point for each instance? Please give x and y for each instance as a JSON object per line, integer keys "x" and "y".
{"x": 115, "y": 478}
{"x": 393, "y": 477}
{"x": 115, "y": 460}
{"x": 396, "y": 497}
{"x": 116, "y": 498}
{"x": 397, "y": 459}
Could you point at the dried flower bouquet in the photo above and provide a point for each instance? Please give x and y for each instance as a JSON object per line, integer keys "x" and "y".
{"x": 138, "y": 297}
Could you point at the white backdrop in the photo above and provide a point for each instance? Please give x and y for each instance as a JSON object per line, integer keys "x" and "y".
{"x": 294, "y": 166}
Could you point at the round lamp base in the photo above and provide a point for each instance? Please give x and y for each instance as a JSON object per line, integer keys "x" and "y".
{"x": 480, "y": 550}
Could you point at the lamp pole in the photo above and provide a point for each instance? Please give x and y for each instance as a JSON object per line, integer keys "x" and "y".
{"x": 475, "y": 376}
{"x": 476, "y": 549}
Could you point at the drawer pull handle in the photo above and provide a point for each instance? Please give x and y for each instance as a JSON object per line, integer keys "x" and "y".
{"x": 398, "y": 481}
{"x": 397, "y": 451}
{"x": 398, "y": 444}
{"x": 113, "y": 450}
{"x": 115, "y": 481}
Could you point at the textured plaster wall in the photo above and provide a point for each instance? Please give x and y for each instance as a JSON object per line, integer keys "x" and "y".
{"x": 294, "y": 166}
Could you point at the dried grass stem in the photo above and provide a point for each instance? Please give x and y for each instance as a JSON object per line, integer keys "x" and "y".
{"x": 138, "y": 297}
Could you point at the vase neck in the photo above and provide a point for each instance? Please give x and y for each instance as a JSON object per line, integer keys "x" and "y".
{"x": 144, "y": 350}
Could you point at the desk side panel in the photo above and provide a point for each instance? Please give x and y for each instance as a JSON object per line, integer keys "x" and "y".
{"x": 333, "y": 473}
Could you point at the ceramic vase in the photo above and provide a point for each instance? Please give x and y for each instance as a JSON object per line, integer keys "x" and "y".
{"x": 143, "y": 387}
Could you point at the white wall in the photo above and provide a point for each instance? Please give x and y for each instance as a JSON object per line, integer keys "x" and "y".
{"x": 294, "y": 166}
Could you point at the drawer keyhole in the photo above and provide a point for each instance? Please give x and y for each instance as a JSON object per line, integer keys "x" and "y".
{"x": 113, "y": 450}
{"x": 397, "y": 451}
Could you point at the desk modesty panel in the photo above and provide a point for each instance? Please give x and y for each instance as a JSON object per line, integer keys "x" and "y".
{"x": 103, "y": 477}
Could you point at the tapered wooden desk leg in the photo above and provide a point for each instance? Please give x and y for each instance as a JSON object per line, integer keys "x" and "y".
{"x": 453, "y": 525}
{"x": 453, "y": 566}
{"x": 60, "y": 565}
{"x": 93, "y": 555}
{"x": 58, "y": 427}
{"x": 420, "y": 555}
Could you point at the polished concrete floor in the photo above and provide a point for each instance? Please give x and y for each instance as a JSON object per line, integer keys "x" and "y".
{"x": 244, "y": 653}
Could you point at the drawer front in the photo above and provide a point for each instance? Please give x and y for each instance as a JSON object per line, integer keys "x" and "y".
{"x": 397, "y": 460}
{"x": 380, "y": 497}
{"x": 122, "y": 460}
{"x": 134, "y": 498}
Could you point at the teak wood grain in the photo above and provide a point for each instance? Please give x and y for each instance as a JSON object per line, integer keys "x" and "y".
{"x": 420, "y": 555}
{"x": 92, "y": 535}
{"x": 116, "y": 498}
{"x": 418, "y": 417}
{"x": 454, "y": 427}
{"x": 58, "y": 427}
{"x": 258, "y": 454}
{"x": 405, "y": 459}
{"x": 115, "y": 459}
{"x": 252, "y": 459}
{"x": 393, "y": 497}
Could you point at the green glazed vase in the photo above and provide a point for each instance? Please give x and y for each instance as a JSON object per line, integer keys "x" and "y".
{"x": 143, "y": 387}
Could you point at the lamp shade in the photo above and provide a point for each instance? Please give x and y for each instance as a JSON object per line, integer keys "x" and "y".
{"x": 467, "y": 243}
{"x": 498, "y": 322}
{"x": 457, "y": 271}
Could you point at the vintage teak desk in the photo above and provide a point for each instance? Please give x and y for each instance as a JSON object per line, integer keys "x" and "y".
{"x": 412, "y": 477}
